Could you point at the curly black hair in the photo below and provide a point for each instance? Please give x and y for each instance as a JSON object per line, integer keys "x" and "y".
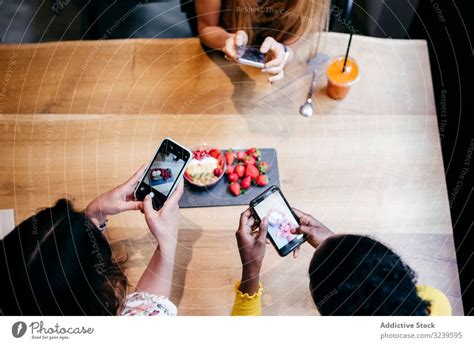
{"x": 58, "y": 263}
{"x": 357, "y": 275}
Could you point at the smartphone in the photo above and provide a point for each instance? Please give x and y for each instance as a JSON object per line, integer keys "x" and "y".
{"x": 250, "y": 56}
{"x": 164, "y": 172}
{"x": 281, "y": 220}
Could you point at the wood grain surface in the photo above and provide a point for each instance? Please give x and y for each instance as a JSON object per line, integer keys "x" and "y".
{"x": 80, "y": 117}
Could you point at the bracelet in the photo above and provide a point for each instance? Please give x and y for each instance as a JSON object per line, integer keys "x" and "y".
{"x": 287, "y": 52}
{"x": 103, "y": 225}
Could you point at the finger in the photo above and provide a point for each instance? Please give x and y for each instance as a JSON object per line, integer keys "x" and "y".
{"x": 241, "y": 38}
{"x": 148, "y": 206}
{"x": 266, "y": 45}
{"x": 131, "y": 206}
{"x": 276, "y": 77}
{"x": 262, "y": 234}
{"x": 244, "y": 228}
{"x": 296, "y": 252}
{"x": 229, "y": 49}
{"x": 279, "y": 59}
{"x": 267, "y": 240}
{"x": 298, "y": 212}
{"x": 302, "y": 229}
{"x": 250, "y": 221}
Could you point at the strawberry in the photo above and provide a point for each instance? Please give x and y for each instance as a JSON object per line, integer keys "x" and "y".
{"x": 234, "y": 188}
{"x": 246, "y": 182}
{"x": 233, "y": 177}
{"x": 240, "y": 170}
{"x": 250, "y": 160}
{"x": 257, "y": 154}
{"x": 229, "y": 157}
{"x": 262, "y": 180}
{"x": 263, "y": 167}
{"x": 252, "y": 171}
{"x": 214, "y": 153}
{"x": 241, "y": 155}
{"x": 217, "y": 172}
{"x": 230, "y": 169}
{"x": 251, "y": 151}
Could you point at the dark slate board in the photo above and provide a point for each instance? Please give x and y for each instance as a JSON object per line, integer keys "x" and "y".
{"x": 219, "y": 195}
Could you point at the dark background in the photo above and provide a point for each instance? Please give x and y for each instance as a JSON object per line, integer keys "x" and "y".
{"x": 445, "y": 24}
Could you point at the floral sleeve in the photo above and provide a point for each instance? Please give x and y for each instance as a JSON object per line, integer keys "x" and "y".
{"x": 147, "y": 304}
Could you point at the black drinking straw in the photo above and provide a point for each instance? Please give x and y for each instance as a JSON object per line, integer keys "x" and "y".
{"x": 347, "y": 53}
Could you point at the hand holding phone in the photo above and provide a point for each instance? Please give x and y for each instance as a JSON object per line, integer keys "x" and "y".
{"x": 282, "y": 221}
{"x": 116, "y": 200}
{"x": 252, "y": 245}
{"x": 251, "y": 56}
{"x": 164, "y": 172}
{"x": 163, "y": 223}
{"x": 236, "y": 40}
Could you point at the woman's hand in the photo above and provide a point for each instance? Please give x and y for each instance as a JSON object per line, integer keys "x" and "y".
{"x": 252, "y": 244}
{"x": 277, "y": 58}
{"x": 315, "y": 231}
{"x": 163, "y": 224}
{"x": 239, "y": 39}
{"x": 117, "y": 200}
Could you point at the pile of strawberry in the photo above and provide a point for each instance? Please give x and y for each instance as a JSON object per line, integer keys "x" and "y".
{"x": 244, "y": 169}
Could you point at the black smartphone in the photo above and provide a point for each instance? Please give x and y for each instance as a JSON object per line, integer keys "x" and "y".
{"x": 164, "y": 172}
{"x": 281, "y": 220}
{"x": 250, "y": 56}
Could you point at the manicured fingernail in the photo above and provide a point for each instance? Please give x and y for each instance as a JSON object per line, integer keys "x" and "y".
{"x": 151, "y": 194}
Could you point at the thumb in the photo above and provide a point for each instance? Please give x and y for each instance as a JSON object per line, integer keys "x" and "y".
{"x": 266, "y": 45}
{"x": 262, "y": 234}
{"x": 148, "y": 205}
{"x": 132, "y": 206}
{"x": 302, "y": 229}
{"x": 240, "y": 38}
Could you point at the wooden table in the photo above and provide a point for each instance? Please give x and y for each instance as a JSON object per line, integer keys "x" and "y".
{"x": 370, "y": 164}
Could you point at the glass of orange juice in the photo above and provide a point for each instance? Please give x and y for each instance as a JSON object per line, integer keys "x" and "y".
{"x": 339, "y": 83}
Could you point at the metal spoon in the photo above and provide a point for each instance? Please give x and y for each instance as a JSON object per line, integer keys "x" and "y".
{"x": 307, "y": 108}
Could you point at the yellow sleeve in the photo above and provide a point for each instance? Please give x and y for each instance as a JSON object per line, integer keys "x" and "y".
{"x": 440, "y": 305}
{"x": 246, "y": 305}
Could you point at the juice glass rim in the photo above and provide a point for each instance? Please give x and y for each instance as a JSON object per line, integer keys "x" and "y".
{"x": 343, "y": 84}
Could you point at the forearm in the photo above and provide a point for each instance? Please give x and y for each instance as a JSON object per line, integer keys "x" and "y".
{"x": 95, "y": 213}
{"x": 250, "y": 281}
{"x": 213, "y": 36}
{"x": 158, "y": 276}
{"x": 248, "y": 294}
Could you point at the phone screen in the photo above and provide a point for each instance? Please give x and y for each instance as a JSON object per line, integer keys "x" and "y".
{"x": 280, "y": 219}
{"x": 251, "y": 54}
{"x": 163, "y": 172}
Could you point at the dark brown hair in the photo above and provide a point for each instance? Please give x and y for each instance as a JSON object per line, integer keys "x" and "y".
{"x": 58, "y": 263}
{"x": 285, "y": 21}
